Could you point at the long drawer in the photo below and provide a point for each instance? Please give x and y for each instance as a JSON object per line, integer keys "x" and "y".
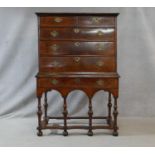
{"x": 92, "y": 34}
{"x": 51, "y": 48}
{"x": 77, "y": 64}
{"x": 78, "y": 82}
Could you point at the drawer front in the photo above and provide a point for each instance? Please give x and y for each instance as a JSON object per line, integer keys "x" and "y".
{"x": 78, "y": 82}
{"x": 50, "y": 48}
{"x": 77, "y": 64}
{"x": 58, "y": 21}
{"x": 96, "y": 21}
{"x": 96, "y": 34}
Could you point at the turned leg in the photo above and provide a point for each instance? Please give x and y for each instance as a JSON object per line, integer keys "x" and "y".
{"x": 115, "y": 113}
{"x": 65, "y": 112}
{"x": 109, "y": 109}
{"x": 45, "y": 108}
{"x": 39, "y": 117}
{"x": 90, "y": 113}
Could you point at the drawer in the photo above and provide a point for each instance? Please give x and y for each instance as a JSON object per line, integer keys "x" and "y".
{"x": 96, "y": 21}
{"x": 92, "y": 34}
{"x": 78, "y": 82}
{"x": 77, "y": 64}
{"x": 58, "y": 21}
{"x": 50, "y": 48}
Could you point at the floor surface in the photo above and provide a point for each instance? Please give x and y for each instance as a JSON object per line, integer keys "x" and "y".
{"x": 132, "y": 132}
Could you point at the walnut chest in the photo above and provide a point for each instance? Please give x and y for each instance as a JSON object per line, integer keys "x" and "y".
{"x": 77, "y": 51}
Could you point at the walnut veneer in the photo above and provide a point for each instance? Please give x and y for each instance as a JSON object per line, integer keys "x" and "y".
{"x": 77, "y": 51}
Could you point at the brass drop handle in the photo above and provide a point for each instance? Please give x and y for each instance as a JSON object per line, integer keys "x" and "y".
{"x": 76, "y": 59}
{"x": 100, "y": 63}
{"x": 76, "y": 30}
{"x": 100, "y": 47}
{"x": 58, "y": 19}
{"x": 100, "y": 33}
{"x": 54, "y": 33}
{"x": 77, "y": 80}
{"x": 54, "y": 81}
{"x": 55, "y": 63}
{"x": 54, "y": 47}
{"x": 100, "y": 82}
{"x": 96, "y": 20}
{"x": 77, "y": 44}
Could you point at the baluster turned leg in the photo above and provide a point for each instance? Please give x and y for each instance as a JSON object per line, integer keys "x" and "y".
{"x": 109, "y": 109}
{"x": 45, "y": 108}
{"x": 115, "y": 113}
{"x": 65, "y": 112}
{"x": 39, "y": 117}
{"x": 90, "y": 113}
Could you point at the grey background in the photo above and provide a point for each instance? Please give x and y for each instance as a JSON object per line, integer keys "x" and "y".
{"x": 19, "y": 64}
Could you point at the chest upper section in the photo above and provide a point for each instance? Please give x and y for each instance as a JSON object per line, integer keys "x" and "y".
{"x": 77, "y": 42}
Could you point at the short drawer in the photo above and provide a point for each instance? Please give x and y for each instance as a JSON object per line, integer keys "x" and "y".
{"x": 54, "y": 48}
{"x": 92, "y": 34}
{"x": 77, "y": 64}
{"x": 78, "y": 82}
{"x": 58, "y": 21}
{"x": 96, "y": 21}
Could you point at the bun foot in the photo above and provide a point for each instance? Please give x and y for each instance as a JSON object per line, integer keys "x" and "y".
{"x": 65, "y": 133}
{"x": 115, "y": 133}
{"x": 39, "y": 133}
{"x": 90, "y": 133}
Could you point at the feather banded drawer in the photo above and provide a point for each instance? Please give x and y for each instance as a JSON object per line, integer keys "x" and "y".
{"x": 77, "y": 51}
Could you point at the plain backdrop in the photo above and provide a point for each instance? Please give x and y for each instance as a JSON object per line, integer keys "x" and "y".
{"x": 19, "y": 64}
